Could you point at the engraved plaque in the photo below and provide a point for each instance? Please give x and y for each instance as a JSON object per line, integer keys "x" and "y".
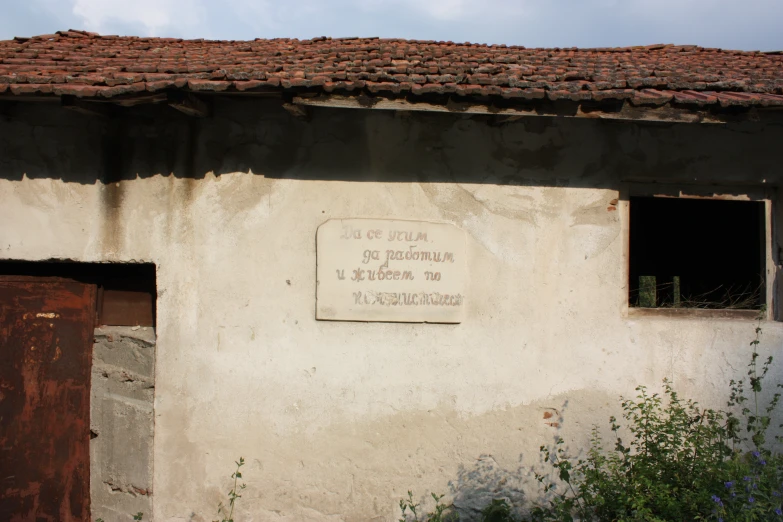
{"x": 390, "y": 270}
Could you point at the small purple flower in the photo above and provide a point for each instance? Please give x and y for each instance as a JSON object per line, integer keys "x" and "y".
{"x": 756, "y": 454}
{"x": 751, "y": 500}
{"x": 776, "y": 493}
{"x": 729, "y": 484}
{"x": 763, "y": 462}
{"x": 746, "y": 478}
{"x": 778, "y": 512}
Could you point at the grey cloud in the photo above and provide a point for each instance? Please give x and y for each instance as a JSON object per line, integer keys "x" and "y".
{"x": 753, "y": 24}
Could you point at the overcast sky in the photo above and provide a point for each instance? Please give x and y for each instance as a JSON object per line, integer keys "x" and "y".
{"x": 730, "y": 24}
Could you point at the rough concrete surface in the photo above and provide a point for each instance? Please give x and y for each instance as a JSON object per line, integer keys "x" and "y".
{"x": 122, "y": 424}
{"x": 337, "y": 420}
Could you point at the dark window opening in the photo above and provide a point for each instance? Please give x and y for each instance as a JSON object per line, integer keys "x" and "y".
{"x": 126, "y": 292}
{"x": 697, "y": 253}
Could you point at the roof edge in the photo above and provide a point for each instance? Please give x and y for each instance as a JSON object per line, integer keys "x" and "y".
{"x": 79, "y": 33}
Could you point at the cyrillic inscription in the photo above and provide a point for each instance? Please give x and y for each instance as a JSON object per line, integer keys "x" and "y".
{"x": 390, "y": 270}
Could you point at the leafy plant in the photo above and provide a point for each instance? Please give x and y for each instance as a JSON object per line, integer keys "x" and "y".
{"x": 228, "y": 511}
{"x": 497, "y": 511}
{"x": 137, "y": 516}
{"x": 664, "y": 473}
{"x": 440, "y": 514}
{"x": 681, "y": 462}
{"x": 757, "y": 419}
{"x": 755, "y": 493}
{"x": 754, "y": 487}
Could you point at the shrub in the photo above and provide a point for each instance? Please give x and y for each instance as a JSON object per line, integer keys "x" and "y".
{"x": 410, "y": 511}
{"x": 665, "y": 472}
{"x": 497, "y": 511}
{"x": 754, "y": 491}
{"x": 682, "y": 462}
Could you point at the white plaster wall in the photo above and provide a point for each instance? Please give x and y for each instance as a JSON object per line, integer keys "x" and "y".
{"x": 338, "y": 420}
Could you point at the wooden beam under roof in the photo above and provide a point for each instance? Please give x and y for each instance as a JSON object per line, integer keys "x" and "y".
{"x": 84, "y": 107}
{"x": 188, "y": 104}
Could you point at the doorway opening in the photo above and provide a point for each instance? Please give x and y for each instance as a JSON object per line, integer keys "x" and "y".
{"x": 76, "y": 390}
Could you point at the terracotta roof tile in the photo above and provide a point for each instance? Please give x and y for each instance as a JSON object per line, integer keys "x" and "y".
{"x": 86, "y": 64}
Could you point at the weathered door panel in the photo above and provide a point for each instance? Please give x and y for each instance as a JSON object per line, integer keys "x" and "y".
{"x": 46, "y": 335}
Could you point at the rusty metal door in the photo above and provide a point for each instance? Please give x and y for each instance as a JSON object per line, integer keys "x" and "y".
{"x": 46, "y": 336}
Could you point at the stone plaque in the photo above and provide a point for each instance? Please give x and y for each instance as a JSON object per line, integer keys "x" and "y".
{"x": 390, "y": 270}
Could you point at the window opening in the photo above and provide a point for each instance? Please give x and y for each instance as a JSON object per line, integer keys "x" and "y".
{"x": 697, "y": 253}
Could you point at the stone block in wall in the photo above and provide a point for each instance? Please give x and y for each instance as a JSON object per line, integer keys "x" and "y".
{"x": 122, "y": 422}
{"x": 129, "y": 348}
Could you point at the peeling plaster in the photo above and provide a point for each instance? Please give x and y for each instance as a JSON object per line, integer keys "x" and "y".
{"x": 338, "y": 420}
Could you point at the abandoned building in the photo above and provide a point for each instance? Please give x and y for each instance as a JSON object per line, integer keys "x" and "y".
{"x": 366, "y": 266}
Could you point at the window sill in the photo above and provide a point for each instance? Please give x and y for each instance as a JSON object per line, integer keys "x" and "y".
{"x": 694, "y": 313}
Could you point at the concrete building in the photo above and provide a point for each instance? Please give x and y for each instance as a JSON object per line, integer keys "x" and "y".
{"x": 175, "y": 216}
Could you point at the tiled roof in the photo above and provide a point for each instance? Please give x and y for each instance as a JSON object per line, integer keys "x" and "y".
{"x": 90, "y": 65}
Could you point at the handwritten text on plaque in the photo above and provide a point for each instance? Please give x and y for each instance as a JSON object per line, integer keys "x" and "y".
{"x": 390, "y": 270}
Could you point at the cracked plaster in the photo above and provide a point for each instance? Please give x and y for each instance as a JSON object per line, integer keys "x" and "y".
{"x": 338, "y": 420}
